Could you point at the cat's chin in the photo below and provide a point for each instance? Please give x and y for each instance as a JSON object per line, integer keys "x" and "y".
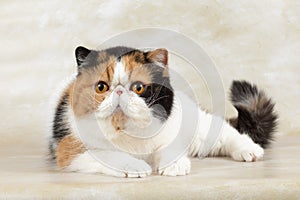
{"x": 123, "y": 120}
{"x": 118, "y": 109}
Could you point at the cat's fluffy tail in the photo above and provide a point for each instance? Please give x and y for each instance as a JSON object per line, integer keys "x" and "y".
{"x": 256, "y": 116}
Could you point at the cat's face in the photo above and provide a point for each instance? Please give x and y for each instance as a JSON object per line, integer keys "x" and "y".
{"x": 124, "y": 86}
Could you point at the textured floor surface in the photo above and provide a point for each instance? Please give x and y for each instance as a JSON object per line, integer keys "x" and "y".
{"x": 276, "y": 177}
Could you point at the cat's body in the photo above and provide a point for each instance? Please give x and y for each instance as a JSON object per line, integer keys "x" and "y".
{"x": 121, "y": 117}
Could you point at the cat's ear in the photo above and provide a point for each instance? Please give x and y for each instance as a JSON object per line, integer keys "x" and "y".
{"x": 81, "y": 53}
{"x": 159, "y": 56}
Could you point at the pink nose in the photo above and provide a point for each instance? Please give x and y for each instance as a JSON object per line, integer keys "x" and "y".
{"x": 119, "y": 92}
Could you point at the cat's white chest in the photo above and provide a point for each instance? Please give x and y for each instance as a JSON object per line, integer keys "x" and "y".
{"x": 100, "y": 134}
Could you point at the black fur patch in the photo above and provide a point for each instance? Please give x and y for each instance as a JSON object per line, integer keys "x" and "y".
{"x": 160, "y": 98}
{"x": 60, "y": 126}
{"x": 87, "y": 58}
{"x": 159, "y": 94}
{"x": 119, "y": 51}
{"x": 256, "y": 116}
{"x": 81, "y": 53}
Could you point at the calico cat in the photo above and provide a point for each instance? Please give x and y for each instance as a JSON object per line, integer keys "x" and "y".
{"x": 122, "y": 95}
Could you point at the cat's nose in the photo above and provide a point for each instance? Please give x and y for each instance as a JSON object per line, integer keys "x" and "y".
{"x": 119, "y": 92}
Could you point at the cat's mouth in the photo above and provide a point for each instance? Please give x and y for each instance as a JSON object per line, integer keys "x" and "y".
{"x": 119, "y": 119}
{"x": 118, "y": 109}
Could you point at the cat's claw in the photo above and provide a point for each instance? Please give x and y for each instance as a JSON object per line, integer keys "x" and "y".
{"x": 179, "y": 168}
{"x": 137, "y": 169}
{"x": 249, "y": 153}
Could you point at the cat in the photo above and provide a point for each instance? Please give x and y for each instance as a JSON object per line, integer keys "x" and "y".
{"x": 121, "y": 96}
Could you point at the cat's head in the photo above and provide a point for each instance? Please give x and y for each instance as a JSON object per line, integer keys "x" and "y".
{"x": 123, "y": 86}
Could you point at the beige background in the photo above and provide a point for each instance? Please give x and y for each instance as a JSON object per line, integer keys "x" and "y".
{"x": 257, "y": 41}
{"x": 254, "y": 40}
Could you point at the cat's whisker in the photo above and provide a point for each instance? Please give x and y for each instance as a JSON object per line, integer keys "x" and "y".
{"x": 155, "y": 95}
{"x": 93, "y": 99}
{"x": 157, "y": 100}
{"x": 150, "y": 98}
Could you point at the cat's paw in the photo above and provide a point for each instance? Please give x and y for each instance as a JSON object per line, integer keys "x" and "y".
{"x": 179, "y": 168}
{"x": 248, "y": 153}
{"x": 121, "y": 164}
{"x": 116, "y": 164}
{"x": 136, "y": 169}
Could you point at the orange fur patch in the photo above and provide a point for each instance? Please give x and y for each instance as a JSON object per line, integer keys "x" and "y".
{"x": 118, "y": 120}
{"x": 159, "y": 55}
{"x": 83, "y": 98}
{"x": 68, "y": 148}
{"x": 131, "y": 62}
{"x": 134, "y": 66}
{"x": 105, "y": 70}
{"x": 141, "y": 74}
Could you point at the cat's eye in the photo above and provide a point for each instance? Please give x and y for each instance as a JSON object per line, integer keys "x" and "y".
{"x": 138, "y": 88}
{"x": 101, "y": 87}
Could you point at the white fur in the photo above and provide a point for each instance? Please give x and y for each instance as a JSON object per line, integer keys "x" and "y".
{"x": 107, "y": 106}
{"x": 180, "y": 167}
{"x": 136, "y": 109}
{"x": 229, "y": 143}
{"x": 120, "y": 76}
{"x": 110, "y": 163}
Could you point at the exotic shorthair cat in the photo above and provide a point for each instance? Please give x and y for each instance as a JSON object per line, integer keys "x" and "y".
{"x": 122, "y": 95}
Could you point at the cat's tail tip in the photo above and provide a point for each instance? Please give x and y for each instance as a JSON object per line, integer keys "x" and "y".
{"x": 256, "y": 115}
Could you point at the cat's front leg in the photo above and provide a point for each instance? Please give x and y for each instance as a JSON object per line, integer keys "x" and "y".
{"x": 113, "y": 163}
{"x": 179, "y": 167}
{"x": 238, "y": 146}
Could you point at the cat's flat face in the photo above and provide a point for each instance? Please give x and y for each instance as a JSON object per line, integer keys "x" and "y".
{"x": 125, "y": 86}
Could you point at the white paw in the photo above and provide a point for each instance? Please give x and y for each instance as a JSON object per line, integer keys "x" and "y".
{"x": 136, "y": 169}
{"x": 120, "y": 164}
{"x": 249, "y": 153}
{"x": 180, "y": 168}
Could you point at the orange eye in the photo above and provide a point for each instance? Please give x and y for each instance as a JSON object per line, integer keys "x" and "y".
{"x": 101, "y": 87}
{"x": 138, "y": 88}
